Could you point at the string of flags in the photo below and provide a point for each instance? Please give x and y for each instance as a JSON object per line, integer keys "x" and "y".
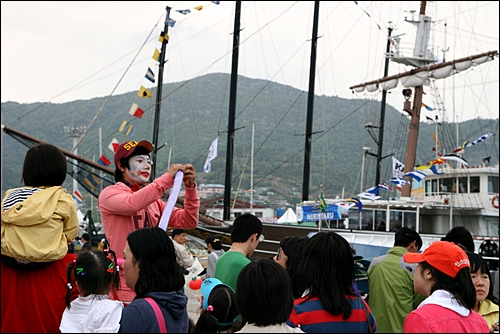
{"x": 420, "y": 172}
{"x": 145, "y": 90}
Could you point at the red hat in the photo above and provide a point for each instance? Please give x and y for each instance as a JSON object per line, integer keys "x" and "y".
{"x": 443, "y": 255}
{"x": 126, "y": 149}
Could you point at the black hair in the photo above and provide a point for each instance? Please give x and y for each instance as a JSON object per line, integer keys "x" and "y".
{"x": 293, "y": 247}
{"x": 329, "y": 270}
{"x": 177, "y": 231}
{"x": 95, "y": 271}
{"x": 244, "y": 226}
{"x": 44, "y": 165}
{"x": 478, "y": 263}
{"x": 264, "y": 293}
{"x": 459, "y": 235}
{"x": 405, "y": 236}
{"x": 222, "y": 300}
{"x": 154, "y": 251}
{"x": 461, "y": 287}
{"x": 86, "y": 236}
{"x": 125, "y": 162}
{"x": 214, "y": 241}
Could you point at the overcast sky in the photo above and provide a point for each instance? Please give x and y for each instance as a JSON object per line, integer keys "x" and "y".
{"x": 64, "y": 51}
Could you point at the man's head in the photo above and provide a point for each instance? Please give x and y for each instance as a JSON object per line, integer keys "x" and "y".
{"x": 247, "y": 228}
{"x": 132, "y": 162}
{"x": 85, "y": 237}
{"x": 408, "y": 238}
{"x": 460, "y": 236}
{"x": 179, "y": 235}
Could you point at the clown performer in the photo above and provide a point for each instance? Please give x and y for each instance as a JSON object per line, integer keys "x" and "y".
{"x": 133, "y": 203}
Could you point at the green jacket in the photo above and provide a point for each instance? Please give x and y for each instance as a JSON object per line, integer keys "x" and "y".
{"x": 40, "y": 227}
{"x": 391, "y": 290}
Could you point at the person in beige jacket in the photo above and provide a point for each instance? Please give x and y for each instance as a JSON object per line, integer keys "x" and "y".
{"x": 39, "y": 220}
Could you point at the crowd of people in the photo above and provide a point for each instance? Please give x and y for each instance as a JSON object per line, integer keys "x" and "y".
{"x": 136, "y": 282}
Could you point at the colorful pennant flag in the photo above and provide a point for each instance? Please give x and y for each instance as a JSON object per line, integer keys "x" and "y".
{"x": 160, "y": 38}
{"x": 322, "y": 203}
{"x": 368, "y": 195}
{"x": 78, "y": 196}
{"x": 127, "y": 130}
{"x": 198, "y": 7}
{"x": 170, "y": 22}
{"x": 150, "y": 75}
{"x": 417, "y": 175}
{"x": 183, "y": 11}
{"x": 91, "y": 180}
{"x": 136, "y": 111}
{"x": 454, "y": 157}
{"x": 215, "y": 2}
{"x": 114, "y": 145}
{"x": 480, "y": 139}
{"x": 384, "y": 186}
{"x": 356, "y": 201}
{"x": 427, "y": 107}
{"x": 398, "y": 181}
{"x": 212, "y": 154}
{"x": 104, "y": 161}
{"x": 144, "y": 92}
{"x": 156, "y": 55}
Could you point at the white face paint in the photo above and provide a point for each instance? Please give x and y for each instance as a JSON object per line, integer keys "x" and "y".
{"x": 140, "y": 170}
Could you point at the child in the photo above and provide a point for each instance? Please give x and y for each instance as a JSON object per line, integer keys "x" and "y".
{"x": 328, "y": 271}
{"x": 443, "y": 276}
{"x": 40, "y": 208}
{"x": 264, "y": 297}
{"x": 95, "y": 272}
{"x": 38, "y": 222}
{"x": 218, "y": 308}
{"x": 215, "y": 251}
{"x": 481, "y": 278}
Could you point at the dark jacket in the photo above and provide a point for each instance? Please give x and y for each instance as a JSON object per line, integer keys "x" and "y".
{"x": 139, "y": 316}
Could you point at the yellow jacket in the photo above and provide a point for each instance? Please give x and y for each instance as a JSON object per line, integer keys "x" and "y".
{"x": 489, "y": 311}
{"x": 39, "y": 228}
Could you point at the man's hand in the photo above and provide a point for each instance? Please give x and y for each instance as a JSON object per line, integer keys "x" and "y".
{"x": 189, "y": 176}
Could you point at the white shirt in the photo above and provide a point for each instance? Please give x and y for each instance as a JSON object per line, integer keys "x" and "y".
{"x": 92, "y": 314}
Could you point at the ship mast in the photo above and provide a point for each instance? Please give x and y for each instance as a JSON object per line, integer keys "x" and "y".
{"x": 232, "y": 114}
{"x": 310, "y": 107}
{"x": 156, "y": 122}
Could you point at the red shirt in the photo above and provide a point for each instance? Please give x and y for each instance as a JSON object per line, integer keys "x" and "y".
{"x": 34, "y": 300}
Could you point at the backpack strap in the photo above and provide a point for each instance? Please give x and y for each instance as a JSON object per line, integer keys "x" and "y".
{"x": 159, "y": 315}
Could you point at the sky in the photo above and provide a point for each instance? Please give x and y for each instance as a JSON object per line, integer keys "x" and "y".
{"x": 65, "y": 51}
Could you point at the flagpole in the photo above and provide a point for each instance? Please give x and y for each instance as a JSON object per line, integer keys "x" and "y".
{"x": 156, "y": 122}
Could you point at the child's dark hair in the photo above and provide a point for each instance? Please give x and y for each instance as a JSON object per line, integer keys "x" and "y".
{"x": 44, "y": 165}
{"x": 214, "y": 241}
{"x": 461, "y": 287}
{"x": 222, "y": 314}
{"x": 94, "y": 271}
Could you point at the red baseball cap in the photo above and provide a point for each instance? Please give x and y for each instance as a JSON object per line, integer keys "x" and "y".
{"x": 126, "y": 149}
{"x": 443, "y": 255}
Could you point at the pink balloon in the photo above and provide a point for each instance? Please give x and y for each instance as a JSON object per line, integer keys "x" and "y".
{"x": 195, "y": 283}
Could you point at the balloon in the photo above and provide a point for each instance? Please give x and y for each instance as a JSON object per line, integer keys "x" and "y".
{"x": 195, "y": 283}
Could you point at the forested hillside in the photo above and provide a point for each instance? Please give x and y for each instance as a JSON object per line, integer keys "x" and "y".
{"x": 194, "y": 113}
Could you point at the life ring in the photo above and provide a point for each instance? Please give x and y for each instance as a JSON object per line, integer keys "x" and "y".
{"x": 494, "y": 201}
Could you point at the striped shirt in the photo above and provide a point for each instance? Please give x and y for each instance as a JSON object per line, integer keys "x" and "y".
{"x": 18, "y": 195}
{"x": 311, "y": 316}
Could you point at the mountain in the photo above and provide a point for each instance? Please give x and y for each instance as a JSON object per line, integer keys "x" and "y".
{"x": 194, "y": 112}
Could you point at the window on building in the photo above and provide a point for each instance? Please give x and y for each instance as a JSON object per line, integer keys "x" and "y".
{"x": 474, "y": 184}
{"x": 463, "y": 185}
{"x": 493, "y": 184}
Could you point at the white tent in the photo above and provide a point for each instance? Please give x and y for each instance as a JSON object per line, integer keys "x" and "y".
{"x": 288, "y": 217}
